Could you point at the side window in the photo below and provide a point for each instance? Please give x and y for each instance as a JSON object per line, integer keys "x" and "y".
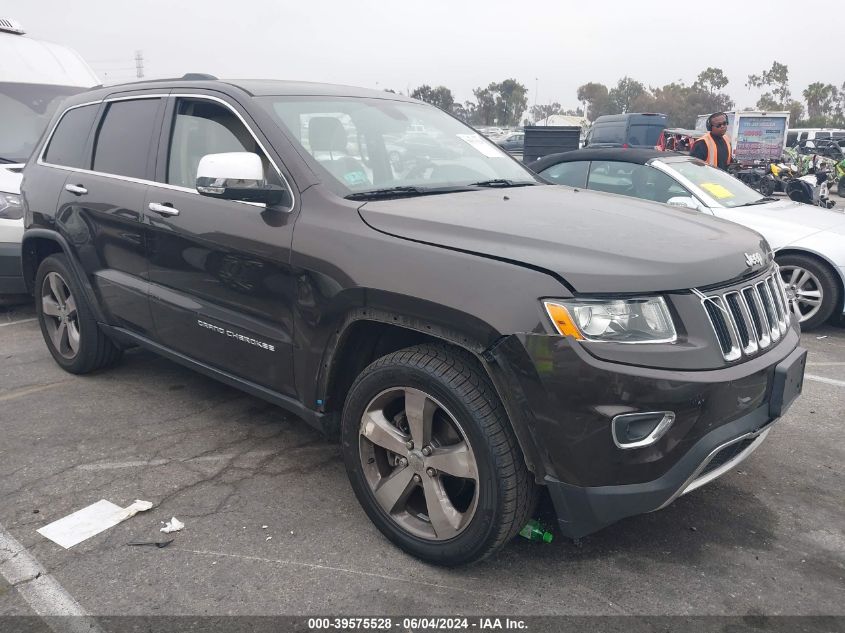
{"x": 570, "y": 174}
{"x": 609, "y": 133}
{"x": 68, "y": 143}
{"x": 126, "y": 133}
{"x": 628, "y": 179}
{"x": 203, "y": 127}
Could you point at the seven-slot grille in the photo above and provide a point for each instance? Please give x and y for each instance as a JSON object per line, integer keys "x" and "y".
{"x": 750, "y": 318}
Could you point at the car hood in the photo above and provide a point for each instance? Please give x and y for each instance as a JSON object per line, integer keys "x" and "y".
{"x": 785, "y": 222}
{"x": 595, "y": 242}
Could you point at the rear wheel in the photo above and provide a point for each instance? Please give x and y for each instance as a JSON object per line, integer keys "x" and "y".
{"x": 767, "y": 185}
{"x": 812, "y": 288}
{"x": 431, "y": 456}
{"x": 72, "y": 335}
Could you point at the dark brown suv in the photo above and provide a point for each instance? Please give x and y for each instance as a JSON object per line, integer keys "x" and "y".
{"x": 471, "y": 334}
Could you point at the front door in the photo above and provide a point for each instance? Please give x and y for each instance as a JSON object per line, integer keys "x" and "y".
{"x": 221, "y": 288}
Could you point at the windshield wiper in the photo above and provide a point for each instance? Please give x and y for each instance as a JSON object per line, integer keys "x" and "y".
{"x": 503, "y": 182}
{"x": 403, "y": 191}
{"x": 762, "y": 200}
{"x": 8, "y": 160}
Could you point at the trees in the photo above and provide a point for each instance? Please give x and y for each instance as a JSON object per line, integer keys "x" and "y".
{"x": 822, "y": 100}
{"x": 711, "y": 80}
{"x": 626, "y": 95}
{"x": 776, "y": 79}
{"x": 439, "y": 96}
{"x": 596, "y": 98}
{"x": 485, "y": 109}
{"x": 540, "y": 112}
{"x": 511, "y": 102}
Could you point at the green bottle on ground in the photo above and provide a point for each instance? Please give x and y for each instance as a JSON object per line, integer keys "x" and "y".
{"x": 533, "y": 531}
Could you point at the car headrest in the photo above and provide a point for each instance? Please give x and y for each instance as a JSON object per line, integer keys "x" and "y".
{"x": 326, "y": 134}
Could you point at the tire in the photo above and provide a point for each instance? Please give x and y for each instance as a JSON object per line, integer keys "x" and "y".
{"x": 808, "y": 280}
{"x": 470, "y": 435}
{"x": 72, "y": 335}
{"x": 767, "y": 186}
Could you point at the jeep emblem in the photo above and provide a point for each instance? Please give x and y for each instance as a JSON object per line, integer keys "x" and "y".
{"x": 753, "y": 259}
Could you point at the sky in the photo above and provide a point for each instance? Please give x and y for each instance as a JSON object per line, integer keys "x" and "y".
{"x": 552, "y": 47}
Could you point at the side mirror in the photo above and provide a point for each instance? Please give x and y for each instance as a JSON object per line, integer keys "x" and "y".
{"x": 237, "y": 176}
{"x": 683, "y": 201}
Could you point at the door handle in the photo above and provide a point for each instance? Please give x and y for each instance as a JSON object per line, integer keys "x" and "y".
{"x": 162, "y": 209}
{"x": 79, "y": 190}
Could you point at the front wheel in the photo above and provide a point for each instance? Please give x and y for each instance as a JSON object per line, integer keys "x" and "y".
{"x": 811, "y": 287}
{"x": 431, "y": 456}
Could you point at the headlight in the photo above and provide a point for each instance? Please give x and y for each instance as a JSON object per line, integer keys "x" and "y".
{"x": 10, "y": 206}
{"x": 640, "y": 320}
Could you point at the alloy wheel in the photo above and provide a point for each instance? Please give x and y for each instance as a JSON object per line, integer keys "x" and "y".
{"x": 61, "y": 318}
{"x": 418, "y": 463}
{"x": 804, "y": 291}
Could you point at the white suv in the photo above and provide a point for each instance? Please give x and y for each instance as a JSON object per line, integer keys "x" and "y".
{"x": 35, "y": 76}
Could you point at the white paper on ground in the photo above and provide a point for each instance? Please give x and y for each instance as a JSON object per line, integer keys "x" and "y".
{"x": 174, "y": 525}
{"x": 87, "y": 522}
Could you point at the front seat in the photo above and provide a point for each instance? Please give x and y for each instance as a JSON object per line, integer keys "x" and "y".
{"x": 327, "y": 140}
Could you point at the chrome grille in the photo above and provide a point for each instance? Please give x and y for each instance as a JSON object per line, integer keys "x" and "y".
{"x": 750, "y": 318}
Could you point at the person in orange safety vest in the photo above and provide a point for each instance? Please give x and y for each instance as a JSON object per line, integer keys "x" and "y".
{"x": 714, "y": 148}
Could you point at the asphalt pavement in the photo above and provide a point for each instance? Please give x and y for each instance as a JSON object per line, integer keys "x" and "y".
{"x": 272, "y": 526}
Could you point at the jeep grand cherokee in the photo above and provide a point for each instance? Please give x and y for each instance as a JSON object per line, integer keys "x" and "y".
{"x": 470, "y": 333}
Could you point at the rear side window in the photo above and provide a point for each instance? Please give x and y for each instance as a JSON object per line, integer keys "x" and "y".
{"x": 608, "y": 133}
{"x": 641, "y": 134}
{"x": 638, "y": 181}
{"x": 126, "y": 133}
{"x": 68, "y": 143}
{"x": 570, "y": 174}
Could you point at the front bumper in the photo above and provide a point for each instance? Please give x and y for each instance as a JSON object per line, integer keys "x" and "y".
{"x": 565, "y": 398}
{"x": 11, "y": 274}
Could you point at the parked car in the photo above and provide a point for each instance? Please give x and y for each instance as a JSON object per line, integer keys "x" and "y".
{"x": 796, "y": 135}
{"x": 514, "y": 142}
{"x": 626, "y": 130}
{"x": 808, "y": 241}
{"x": 469, "y": 332}
{"x": 34, "y": 78}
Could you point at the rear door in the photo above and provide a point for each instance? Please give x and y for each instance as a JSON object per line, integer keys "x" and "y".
{"x": 221, "y": 284}
{"x": 101, "y": 207}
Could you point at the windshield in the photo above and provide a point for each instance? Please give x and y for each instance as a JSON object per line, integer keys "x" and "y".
{"x": 723, "y": 188}
{"x": 376, "y": 144}
{"x": 25, "y": 110}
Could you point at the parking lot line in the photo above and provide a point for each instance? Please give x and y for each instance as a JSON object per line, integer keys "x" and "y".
{"x": 412, "y": 581}
{"x": 827, "y": 381}
{"x": 41, "y": 591}
{"x": 25, "y": 391}
{"x": 16, "y": 322}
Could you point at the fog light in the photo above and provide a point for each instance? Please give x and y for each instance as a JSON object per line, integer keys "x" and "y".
{"x": 635, "y": 430}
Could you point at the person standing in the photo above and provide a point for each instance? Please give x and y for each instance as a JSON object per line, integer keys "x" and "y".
{"x": 714, "y": 148}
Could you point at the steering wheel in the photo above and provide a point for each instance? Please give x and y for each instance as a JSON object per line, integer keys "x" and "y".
{"x": 420, "y": 165}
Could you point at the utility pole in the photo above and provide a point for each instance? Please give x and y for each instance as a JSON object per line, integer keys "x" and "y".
{"x": 139, "y": 64}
